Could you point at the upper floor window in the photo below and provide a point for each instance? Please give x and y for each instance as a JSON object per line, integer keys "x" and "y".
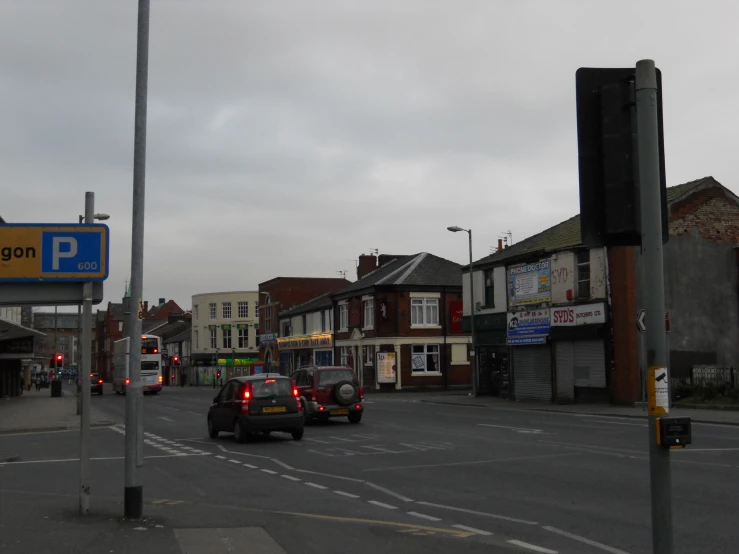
{"x": 196, "y": 341}
{"x": 344, "y": 316}
{"x": 583, "y": 274}
{"x": 213, "y": 313}
{"x": 196, "y": 312}
{"x": 424, "y": 311}
{"x": 305, "y": 324}
{"x": 243, "y": 308}
{"x": 226, "y": 310}
{"x": 256, "y": 309}
{"x": 285, "y": 329}
{"x": 244, "y": 338}
{"x": 213, "y": 338}
{"x": 226, "y": 337}
{"x": 369, "y": 314}
{"x": 489, "y": 289}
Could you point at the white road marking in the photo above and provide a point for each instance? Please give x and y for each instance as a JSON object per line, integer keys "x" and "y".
{"x": 388, "y": 491}
{"x": 424, "y": 516}
{"x": 318, "y": 441}
{"x": 709, "y": 450}
{"x": 91, "y": 459}
{"x": 251, "y": 466}
{"x": 382, "y": 505}
{"x": 494, "y": 460}
{"x": 516, "y": 429}
{"x": 589, "y": 542}
{"x": 341, "y": 477}
{"x": 485, "y": 514}
{"x": 220, "y": 457}
{"x": 289, "y": 477}
{"x": 532, "y": 547}
{"x": 347, "y": 494}
{"x": 472, "y": 530}
{"x": 283, "y": 464}
{"x": 316, "y": 486}
{"x": 234, "y": 461}
{"x": 269, "y": 471}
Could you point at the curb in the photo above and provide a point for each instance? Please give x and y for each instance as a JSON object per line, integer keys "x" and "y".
{"x": 570, "y": 412}
{"x": 100, "y": 424}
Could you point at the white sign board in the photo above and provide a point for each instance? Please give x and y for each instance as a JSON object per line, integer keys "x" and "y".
{"x": 584, "y": 314}
{"x": 387, "y": 370}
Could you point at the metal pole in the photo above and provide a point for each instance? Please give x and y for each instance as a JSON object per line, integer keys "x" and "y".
{"x": 56, "y": 332}
{"x": 654, "y": 292}
{"x": 83, "y": 370}
{"x": 472, "y": 321}
{"x": 79, "y": 365}
{"x": 134, "y": 496}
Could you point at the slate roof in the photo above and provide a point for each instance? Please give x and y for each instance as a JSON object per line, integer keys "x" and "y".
{"x": 180, "y": 337}
{"x": 567, "y": 234}
{"x": 312, "y": 305}
{"x": 421, "y": 270}
{"x": 117, "y": 311}
{"x": 170, "y": 330}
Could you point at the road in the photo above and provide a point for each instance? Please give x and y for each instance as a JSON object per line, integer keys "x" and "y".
{"x": 411, "y": 477}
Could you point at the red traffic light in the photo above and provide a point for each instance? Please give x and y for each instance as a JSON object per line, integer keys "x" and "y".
{"x": 59, "y": 357}
{"x": 175, "y": 359}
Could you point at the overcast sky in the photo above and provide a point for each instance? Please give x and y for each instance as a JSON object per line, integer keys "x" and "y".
{"x": 286, "y": 138}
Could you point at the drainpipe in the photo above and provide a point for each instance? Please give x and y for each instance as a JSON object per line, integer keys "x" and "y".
{"x": 445, "y": 359}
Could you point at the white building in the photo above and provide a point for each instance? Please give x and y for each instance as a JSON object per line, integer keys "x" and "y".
{"x": 225, "y": 329}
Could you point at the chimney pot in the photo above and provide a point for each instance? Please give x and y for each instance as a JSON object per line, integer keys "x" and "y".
{"x": 500, "y": 244}
{"x": 367, "y": 264}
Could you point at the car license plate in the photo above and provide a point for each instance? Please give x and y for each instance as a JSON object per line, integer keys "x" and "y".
{"x": 339, "y": 412}
{"x": 273, "y": 409}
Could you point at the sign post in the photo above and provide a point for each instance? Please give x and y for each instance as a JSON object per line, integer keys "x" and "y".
{"x": 653, "y": 285}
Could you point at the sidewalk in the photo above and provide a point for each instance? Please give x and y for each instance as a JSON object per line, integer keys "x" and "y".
{"x": 38, "y": 411}
{"x": 465, "y": 398}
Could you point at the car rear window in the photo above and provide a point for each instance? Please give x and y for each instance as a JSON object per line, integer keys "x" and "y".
{"x": 331, "y": 377}
{"x": 271, "y": 387}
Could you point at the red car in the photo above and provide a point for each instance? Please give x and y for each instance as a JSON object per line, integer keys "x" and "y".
{"x": 330, "y": 391}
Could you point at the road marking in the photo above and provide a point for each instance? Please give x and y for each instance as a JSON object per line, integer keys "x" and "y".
{"x": 589, "y": 542}
{"x": 485, "y": 514}
{"x": 494, "y": 460}
{"x": 424, "y": 516}
{"x": 341, "y": 477}
{"x": 283, "y": 464}
{"x": 388, "y": 491}
{"x": 316, "y": 486}
{"x": 383, "y": 505}
{"x": 24, "y": 462}
{"x": 289, "y": 477}
{"x": 220, "y": 457}
{"x": 472, "y": 530}
{"x": 251, "y": 466}
{"x": 709, "y": 450}
{"x": 516, "y": 429}
{"x": 269, "y": 471}
{"x": 234, "y": 461}
{"x": 347, "y": 494}
{"x": 532, "y": 547}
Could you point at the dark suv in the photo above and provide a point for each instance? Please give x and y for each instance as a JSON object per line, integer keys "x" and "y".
{"x": 256, "y": 404}
{"x": 330, "y": 391}
{"x": 96, "y": 383}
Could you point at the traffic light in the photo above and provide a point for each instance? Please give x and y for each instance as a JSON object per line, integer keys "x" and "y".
{"x": 59, "y": 359}
{"x": 175, "y": 360}
{"x": 610, "y": 212}
{"x": 219, "y": 375}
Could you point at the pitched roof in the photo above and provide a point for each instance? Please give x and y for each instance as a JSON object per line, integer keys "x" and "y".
{"x": 170, "y": 330}
{"x": 421, "y": 269}
{"x": 312, "y": 305}
{"x": 116, "y": 310}
{"x": 180, "y": 337}
{"x": 567, "y": 234}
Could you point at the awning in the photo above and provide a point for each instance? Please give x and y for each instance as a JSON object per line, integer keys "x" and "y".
{"x": 10, "y": 330}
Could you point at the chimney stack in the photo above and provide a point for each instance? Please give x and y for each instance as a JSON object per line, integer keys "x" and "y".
{"x": 367, "y": 264}
{"x": 161, "y": 301}
{"x": 146, "y": 306}
{"x": 500, "y": 245}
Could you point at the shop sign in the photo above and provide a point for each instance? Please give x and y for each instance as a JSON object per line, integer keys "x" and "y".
{"x": 237, "y": 361}
{"x": 226, "y": 327}
{"x": 268, "y": 338}
{"x": 456, "y": 309}
{"x": 529, "y": 284}
{"x": 387, "y": 370}
{"x": 528, "y": 327}
{"x": 585, "y": 314}
{"x": 23, "y": 345}
{"x": 308, "y": 341}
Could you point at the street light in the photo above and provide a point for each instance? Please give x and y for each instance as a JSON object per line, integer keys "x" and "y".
{"x": 100, "y": 217}
{"x": 456, "y": 229}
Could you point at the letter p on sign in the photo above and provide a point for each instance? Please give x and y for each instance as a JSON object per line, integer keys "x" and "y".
{"x": 70, "y": 250}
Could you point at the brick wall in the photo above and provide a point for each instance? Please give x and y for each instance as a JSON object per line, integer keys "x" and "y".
{"x": 715, "y": 215}
{"x": 624, "y": 375}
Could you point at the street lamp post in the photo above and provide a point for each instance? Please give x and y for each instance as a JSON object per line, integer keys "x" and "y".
{"x": 456, "y": 229}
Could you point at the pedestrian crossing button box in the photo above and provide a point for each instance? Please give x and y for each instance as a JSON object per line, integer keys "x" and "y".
{"x": 674, "y": 432}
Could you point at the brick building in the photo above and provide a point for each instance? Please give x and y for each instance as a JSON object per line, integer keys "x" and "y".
{"x": 397, "y": 325}
{"x": 586, "y": 355}
{"x": 282, "y": 293}
{"x": 108, "y": 329}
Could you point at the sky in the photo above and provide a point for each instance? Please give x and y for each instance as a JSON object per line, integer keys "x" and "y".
{"x": 286, "y": 138}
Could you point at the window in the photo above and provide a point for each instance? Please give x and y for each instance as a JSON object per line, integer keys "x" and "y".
{"x": 323, "y": 321}
{"x": 583, "y": 274}
{"x": 196, "y": 339}
{"x": 345, "y": 354}
{"x": 213, "y": 338}
{"x": 369, "y": 314}
{"x": 243, "y": 308}
{"x": 344, "y": 316}
{"x": 424, "y": 311}
{"x": 489, "y": 289}
{"x": 120, "y": 326}
{"x": 226, "y": 310}
{"x": 425, "y": 358}
{"x": 285, "y": 332}
{"x": 369, "y": 354}
{"x": 226, "y": 337}
{"x": 256, "y": 309}
{"x": 256, "y": 339}
{"x": 334, "y": 376}
{"x": 196, "y": 312}
{"x": 212, "y": 310}
{"x": 305, "y": 324}
{"x": 268, "y": 316}
{"x": 244, "y": 338}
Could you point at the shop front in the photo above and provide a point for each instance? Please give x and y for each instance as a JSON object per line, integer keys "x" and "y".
{"x": 532, "y": 361}
{"x": 307, "y": 350}
{"x": 492, "y": 353}
{"x": 579, "y": 337}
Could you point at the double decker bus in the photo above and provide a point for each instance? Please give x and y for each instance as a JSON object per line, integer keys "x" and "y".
{"x": 151, "y": 364}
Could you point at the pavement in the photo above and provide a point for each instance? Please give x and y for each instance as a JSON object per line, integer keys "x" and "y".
{"x": 415, "y": 475}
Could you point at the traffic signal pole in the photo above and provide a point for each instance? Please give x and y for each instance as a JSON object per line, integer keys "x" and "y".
{"x": 133, "y": 499}
{"x": 653, "y": 282}
{"x": 84, "y": 369}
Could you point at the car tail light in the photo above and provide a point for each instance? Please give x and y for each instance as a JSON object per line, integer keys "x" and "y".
{"x": 160, "y": 378}
{"x": 270, "y": 381}
{"x": 128, "y": 381}
{"x": 358, "y": 406}
{"x": 245, "y": 400}
{"x": 100, "y": 381}
{"x": 313, "y": 396}
{"x": 295, "y": 392}
{"x": 300, "y": 406}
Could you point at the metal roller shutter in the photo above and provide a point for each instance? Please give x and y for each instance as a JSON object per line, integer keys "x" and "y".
{"x": 532, "y": 377}
{"x": 564, "y": 359}
{"x": 590, "y": 364}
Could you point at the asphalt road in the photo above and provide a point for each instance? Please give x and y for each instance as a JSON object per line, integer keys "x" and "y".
{"x": 411, "y": 477}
